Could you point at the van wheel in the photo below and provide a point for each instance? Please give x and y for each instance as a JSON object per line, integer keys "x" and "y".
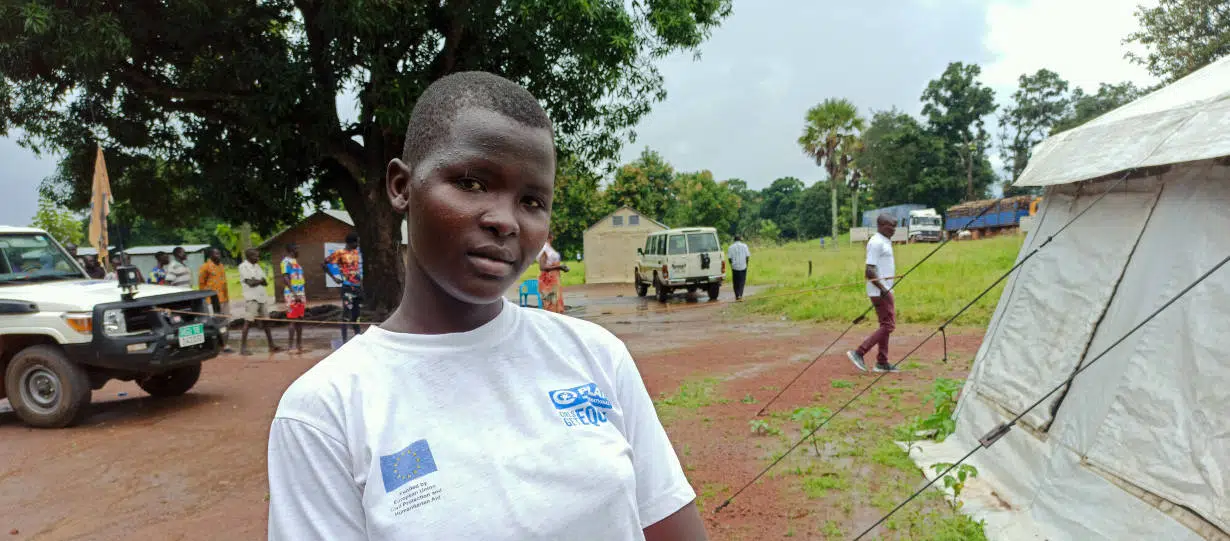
{"x": 714, "y": 290}
{"x": 662, "y": 292}
{"x": 171, "y": 383}
{"x": 45, "y": 389}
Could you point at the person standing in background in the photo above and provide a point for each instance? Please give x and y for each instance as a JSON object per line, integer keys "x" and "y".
{"x": 255, "y": 299}
{"x": 738, "y": 254}
{"x": 879, "y": 273}
{"x": 212, "y": 277}
{"x": 349, "y": 273}
{"x": 178, "y": 273}
{"x": 93, "y": 269}
{"x": 158, "y": 274}
{"x": 550, "y": 287}
{"x": 294, "y": 294}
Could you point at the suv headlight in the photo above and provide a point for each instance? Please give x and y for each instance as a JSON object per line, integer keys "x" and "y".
{"x": 113, "y": 322}
{"x": 80, "y": 322}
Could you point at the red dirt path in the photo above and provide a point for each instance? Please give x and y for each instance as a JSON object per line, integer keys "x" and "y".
{"x": 193, "y": 468}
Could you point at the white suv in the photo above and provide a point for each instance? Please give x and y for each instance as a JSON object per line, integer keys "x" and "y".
{"x": 63, "y": 334}
{"x": 689, "y": 258}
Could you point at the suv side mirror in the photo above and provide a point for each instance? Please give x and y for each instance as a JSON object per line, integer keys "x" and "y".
{"x": 640, "y": 251}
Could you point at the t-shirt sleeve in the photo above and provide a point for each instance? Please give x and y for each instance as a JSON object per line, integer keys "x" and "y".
{"x": 873, "y": 252}
{"x": 312, "y": 494}
{"x": 661, "y": 486}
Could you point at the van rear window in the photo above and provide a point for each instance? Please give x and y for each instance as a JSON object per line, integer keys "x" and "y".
{"x": 676, "y": 245}
{"x": 702, "y": 242}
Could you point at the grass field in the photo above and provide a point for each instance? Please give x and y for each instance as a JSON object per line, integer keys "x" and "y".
{"x": 574, "y": 277}
{"x": 931, "y": 294}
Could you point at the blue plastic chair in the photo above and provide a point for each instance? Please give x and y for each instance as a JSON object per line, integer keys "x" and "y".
{"x": 529, "y": 287}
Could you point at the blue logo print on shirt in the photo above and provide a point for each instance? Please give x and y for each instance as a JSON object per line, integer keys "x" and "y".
{"x": 406, "y": 465}
{"x": 582, "y": 405}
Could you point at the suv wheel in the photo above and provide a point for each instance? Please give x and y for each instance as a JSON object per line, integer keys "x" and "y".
{"x": 663, "y": 293}
{"x": 45, "y": 389}
{"x": 641, "y": 287}
{"x": 172, "y": 383}
{"x": 714, "y": 289}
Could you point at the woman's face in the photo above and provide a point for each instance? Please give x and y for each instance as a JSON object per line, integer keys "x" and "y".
{"x": 478, "y": 204}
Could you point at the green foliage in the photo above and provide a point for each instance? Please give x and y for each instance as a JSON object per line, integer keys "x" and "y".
{"x": 239, "y": 119}
{"x": 955, "y": 106}
{"x": 699, "y": 201}
{"x": 781, "y": 204}
{"x": 63, "y": 225}
{"x": 887, "y": 453}
{"x": 232, "y": 240}
{"x": 762, "y": 427}
{"x": 644, "y": 185}
{"x": 831, "y": 138}
{"x": 1039, "y": 102}
{"x": 944, "y": 396}
{"x": 1181, "y": 36}
{"x": 577, "y": 204}
{"x": 748, "y": 399}
{"x": 818, "y": 486}
{"x": 906, "y": 162}
{"x": 956, "y": 482}
{"x": 842, "y": 384}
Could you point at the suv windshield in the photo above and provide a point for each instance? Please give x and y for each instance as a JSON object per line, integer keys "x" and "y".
{"x": 702, "y": 242}
{"x": 926, "y": 220}
{"x": 33, "y": 257}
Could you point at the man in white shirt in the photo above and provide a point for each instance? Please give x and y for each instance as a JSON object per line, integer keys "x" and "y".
{"x": 256, "y": 299}
{"x": 738, "y": 255}
{"x": 879, "y": 273}
{"x": 178, "y": 274}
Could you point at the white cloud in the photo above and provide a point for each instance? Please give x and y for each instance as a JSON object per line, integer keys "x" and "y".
{"x": 1081, "y": 40}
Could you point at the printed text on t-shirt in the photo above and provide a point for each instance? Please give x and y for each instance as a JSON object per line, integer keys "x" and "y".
{"x": 581, "y": 405}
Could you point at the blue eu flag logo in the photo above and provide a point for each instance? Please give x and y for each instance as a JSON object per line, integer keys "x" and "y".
{"x": 406, "y": 465}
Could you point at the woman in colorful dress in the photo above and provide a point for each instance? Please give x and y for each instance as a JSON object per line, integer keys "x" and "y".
{"x": 549, "y": 285}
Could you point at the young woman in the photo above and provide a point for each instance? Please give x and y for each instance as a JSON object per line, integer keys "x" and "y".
{"x": 549, "y": 284}
{"x": 463, "y": 416}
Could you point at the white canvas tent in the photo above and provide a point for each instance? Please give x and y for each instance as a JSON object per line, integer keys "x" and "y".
{"x": 1139, "y": 446}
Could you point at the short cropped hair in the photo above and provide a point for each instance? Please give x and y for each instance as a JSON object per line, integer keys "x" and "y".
{"x": 352, "y": 237}
{"x": 438, "y": 106}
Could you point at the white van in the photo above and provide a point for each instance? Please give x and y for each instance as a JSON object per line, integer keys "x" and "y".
{"x": 689, "y": 258}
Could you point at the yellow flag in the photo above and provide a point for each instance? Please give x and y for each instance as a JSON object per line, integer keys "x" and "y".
{"x": 100, "y": 208}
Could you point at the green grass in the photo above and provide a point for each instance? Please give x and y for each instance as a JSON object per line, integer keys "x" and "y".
{"x": 931, "y": 294}
{"x": 574, "y": 277}
{"x": 692, "y": 395}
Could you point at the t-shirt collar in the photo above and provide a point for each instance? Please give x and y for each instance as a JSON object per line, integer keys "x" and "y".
{"x": 490, "y": 333}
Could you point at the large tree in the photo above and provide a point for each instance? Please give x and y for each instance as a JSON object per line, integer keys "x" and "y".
{"x": 956, "y": 105}
{"x": 577, "y": 205}
{"x": 701, "y": 201}
{"x": 238, "y": 109}
{"x": 780, "y": 204}
{"x": 1181, "y": 36}
{"x": 1039, "y": 102}
{"x": 907, "y": 163}
{"x": 831, "y": 137}
{"x": 644, "y": 185}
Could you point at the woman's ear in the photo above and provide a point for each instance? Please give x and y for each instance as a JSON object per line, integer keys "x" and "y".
{"x": 398, "y": 183}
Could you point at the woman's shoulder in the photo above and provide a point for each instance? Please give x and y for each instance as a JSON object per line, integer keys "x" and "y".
{"x": 562, "y": 324}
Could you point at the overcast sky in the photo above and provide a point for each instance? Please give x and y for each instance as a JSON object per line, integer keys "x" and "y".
{"x": 739, "y": 109}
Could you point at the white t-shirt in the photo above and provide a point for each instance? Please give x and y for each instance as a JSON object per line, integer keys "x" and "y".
{"x": 880, "y": 254}
{"x": 178, "y": 274}
{"x": 533, "y": 426}
{"x": 252, "y": 271}
{"x": 738, "y": 254}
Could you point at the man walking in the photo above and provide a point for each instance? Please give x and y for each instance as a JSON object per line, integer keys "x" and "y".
{"x": 178, "y": 273}
{"x": 255, "y": 299}
{"x": 349, "y": 272}
{"x": 294, "y": 294}
{"x": 879, "y": 272}
{"x": 738, "y": 254}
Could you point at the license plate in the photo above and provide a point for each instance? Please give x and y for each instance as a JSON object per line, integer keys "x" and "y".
{"x": 192, "y": 335}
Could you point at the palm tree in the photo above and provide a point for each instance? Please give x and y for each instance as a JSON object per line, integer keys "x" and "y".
{"x": 831, "y": 136}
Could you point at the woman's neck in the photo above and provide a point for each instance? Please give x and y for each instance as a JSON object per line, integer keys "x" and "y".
{"x": 427, "y": 309}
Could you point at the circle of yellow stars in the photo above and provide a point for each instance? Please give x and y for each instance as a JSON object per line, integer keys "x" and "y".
{"x": 418, "y": 464}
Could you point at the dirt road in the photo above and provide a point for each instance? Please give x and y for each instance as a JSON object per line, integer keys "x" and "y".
{"x": 193, "y": 468}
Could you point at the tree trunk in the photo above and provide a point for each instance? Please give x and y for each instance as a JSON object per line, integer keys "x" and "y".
{"x": 833, "y": 184}
{"x": 379, "y": 228}
{"x": 854, "y": 207}
{"x": 969, "y": 169}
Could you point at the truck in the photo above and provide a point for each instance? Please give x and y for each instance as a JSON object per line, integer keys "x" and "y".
{"x": 925, "y": 226}
{"x": 1004, "y": 215}
{"x": 900, "y": 212}
{"x": 64, "y": 335}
